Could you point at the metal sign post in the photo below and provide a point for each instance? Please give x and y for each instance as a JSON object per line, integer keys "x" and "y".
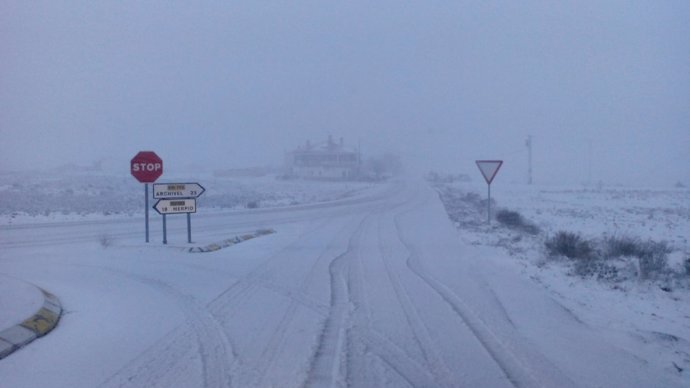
{"x": 177, "y": 198}
{"x": 146, "y": 206}
{"x": 176, "y": 206}
{"x": 488, "y": 204}
{"x": 489, "y": 168}
{"x": 189, "y": 228}
{"x": 165, "y": 231}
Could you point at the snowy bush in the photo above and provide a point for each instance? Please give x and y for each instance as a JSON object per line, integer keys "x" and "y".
{"x": 652, "y": 256}
{"x": 622, "y": 246}
{"x": 105, "y": 241}
{"x": 611, "y": 258}
{"x": 52, "y": 194}
{"x": 653, "y": 259}
{"x": 472, "y": 198}
{"x": 570, "y": 245}
{"x": 515, "y": 220}
{"x": 435, "y": 177}
{"x": 466, "y": 209}
{"x": 595, "y": 267}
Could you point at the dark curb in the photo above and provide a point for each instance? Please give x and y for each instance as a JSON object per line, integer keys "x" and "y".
{"x": 230, "y": 241}
{"x": 40, "y": 324}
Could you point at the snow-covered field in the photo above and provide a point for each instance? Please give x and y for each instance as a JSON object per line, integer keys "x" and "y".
{"x": 650, "y": 317}
{"x": 31, "y": 197}
{"x": 373, "y": 287}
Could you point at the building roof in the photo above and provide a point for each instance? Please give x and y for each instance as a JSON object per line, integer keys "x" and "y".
{"x": 328, "y": 146}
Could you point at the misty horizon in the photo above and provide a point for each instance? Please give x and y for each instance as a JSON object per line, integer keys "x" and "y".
{"x": 601, "y": 87}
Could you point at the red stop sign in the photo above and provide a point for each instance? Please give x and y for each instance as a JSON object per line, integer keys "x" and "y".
{"x": 146, "y": 166}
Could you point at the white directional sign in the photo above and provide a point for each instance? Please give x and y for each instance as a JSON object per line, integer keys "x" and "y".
{"x": 177, "y": 190}
{"x": 489, "y": 168}
{"x": 175, "y": 206}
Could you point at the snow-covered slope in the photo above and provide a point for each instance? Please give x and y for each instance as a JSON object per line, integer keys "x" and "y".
{"x": 647, "y": 317}
{"x": 34, "y": 197}
{"x": 378, "y": 289}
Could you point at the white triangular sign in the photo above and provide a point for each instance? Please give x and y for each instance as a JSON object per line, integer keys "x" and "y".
{"x": 489, "y": 168}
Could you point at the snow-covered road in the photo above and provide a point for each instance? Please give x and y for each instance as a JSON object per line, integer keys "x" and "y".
{"x": 373, "y": 291}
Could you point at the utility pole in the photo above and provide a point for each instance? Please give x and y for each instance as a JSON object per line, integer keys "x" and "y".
{"x": 589, "y": 162}
{"x": 528, "y": 143}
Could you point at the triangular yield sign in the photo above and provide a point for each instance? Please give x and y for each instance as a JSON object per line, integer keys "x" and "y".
{"x": 489, "y": 168}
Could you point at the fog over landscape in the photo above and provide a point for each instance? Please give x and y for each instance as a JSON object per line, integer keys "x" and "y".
{"x": 225, "y": 85}
{"x": 287, "y": 194}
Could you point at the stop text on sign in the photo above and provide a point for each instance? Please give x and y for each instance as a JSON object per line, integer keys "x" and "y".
{"x": 150, "y": 167}
{"x": 146, "y": 166}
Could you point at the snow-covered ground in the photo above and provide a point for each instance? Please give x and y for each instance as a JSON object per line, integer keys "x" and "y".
{"x": 24, "y": 302}
{"x": 45, "y": 196}
{"x": 373, "y": 287}
{"x": 649, "y": 317}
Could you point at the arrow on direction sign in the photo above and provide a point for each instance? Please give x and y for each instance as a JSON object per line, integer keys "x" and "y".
{"x": 489, "y": 168}
{"x": 175, "y": 206}
{"x": 177, "y": 190}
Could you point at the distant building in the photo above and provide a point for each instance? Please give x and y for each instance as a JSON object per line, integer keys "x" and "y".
{"x": 327, "y": 161}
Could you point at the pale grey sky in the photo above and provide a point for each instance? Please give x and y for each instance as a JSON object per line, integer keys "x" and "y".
{"x": 233, "y": 84}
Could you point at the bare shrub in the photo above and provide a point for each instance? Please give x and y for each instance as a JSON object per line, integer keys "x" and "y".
{"x": 652, "y": 256}
{"x": 606, "y": 258}
{"x": 464, "y": 209}
{"x": 472, "y": 198}
{"x": 437, "y": 178}
{"x": 653, "y": 259}
{"x": 570, "y": 245}
{"x": 105, "y": 240}
{"x": 252, "y": 204}
{"x": 601, "y": 269}
{"x": 515, "y": 220}
{"x": 622, "y": 246}
{"x": 509, "y": 217}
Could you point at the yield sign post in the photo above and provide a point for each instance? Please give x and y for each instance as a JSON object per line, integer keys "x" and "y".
{"x": 489, "y": 169}
{"x": 146, "y": 167}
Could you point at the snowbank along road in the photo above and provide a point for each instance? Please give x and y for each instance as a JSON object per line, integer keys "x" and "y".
{"x": 370, "y": 292}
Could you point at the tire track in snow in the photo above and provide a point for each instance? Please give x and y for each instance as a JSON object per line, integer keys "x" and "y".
{"x": 225, "y": 306}
{"x": 327, "y": 365}
{"x": 330, "y": 363}
{"x": 501, "y": 350}
{"x": 363, "y": 339}
{"x": 276, "y": 343}
{"x": 202, "y": 322}
{"x": 211, "y": 341}
{"x": 258, "y": 276}
{"x": 434, "y": 362}
{"x": 347, "y": 338}
{"x": 358, "y": 371}
{"x": 414, "y": 373}
{"x": 229, "y": 302}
